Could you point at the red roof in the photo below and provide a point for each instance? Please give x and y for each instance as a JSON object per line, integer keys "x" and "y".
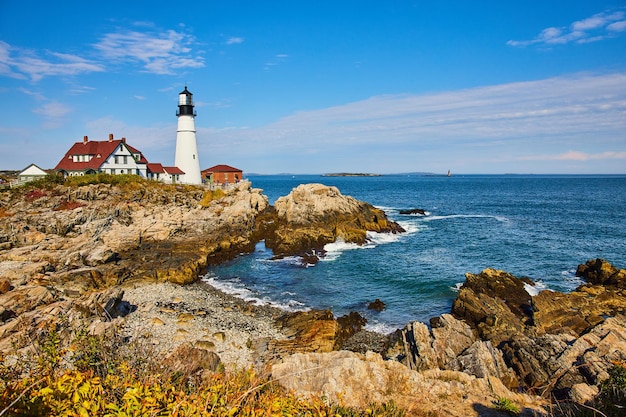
{"x": 221, "y": 168}
{"x": 174, "y": 170}
{"x": 100, "y": 151}
{"x": 155, "y": 168}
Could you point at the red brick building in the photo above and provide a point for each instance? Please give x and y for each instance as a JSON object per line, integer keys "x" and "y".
{"x": 221, "y": 174}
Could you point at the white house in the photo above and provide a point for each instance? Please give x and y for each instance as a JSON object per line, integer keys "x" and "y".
{"x": 30, "y": 173}
{"x": 113, "y": 156}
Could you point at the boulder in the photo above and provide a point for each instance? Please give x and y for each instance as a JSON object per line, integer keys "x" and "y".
{"x": 600, "y": 272}
{"x": 313, "y": 215}
{"x": 376, "y": 305}
{"x": 188, "y": 360}
{"x": 356, "y": 380}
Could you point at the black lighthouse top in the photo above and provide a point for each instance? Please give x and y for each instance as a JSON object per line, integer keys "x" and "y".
{"x": 185, "y": 103}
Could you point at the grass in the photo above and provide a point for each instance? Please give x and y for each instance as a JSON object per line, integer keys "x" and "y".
{"x": 507, "y": 406}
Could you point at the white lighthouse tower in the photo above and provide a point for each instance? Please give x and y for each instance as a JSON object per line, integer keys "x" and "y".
{"x": 186, "y": 148}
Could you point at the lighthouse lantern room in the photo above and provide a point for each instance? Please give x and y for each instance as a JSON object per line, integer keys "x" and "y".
{"x": 186, "y": 147}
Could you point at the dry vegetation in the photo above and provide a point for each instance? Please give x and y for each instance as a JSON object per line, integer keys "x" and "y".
{"x": 96, "y": 376}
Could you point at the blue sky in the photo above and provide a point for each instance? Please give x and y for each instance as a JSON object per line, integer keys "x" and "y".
{"x": 324, "y": 86}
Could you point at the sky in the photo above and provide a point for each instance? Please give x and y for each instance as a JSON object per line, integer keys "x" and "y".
{"x": 313, "y": 87}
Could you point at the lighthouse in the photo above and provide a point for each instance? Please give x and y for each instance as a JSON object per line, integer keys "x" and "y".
{"x": 186, "y": 148}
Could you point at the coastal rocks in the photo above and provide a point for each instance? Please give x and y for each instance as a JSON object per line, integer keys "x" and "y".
{"x": 554, "y": 344}
{"x": 600, "y": 272}
{"x": 450, "y": 344}
{"x": 356, "y": 380}
{"x": 313, "y": 215}
{"x": 494, "y": 303}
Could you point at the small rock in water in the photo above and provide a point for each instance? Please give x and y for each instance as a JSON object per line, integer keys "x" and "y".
{"x": 419, "y": 211}
{"x": 376, "y": 305}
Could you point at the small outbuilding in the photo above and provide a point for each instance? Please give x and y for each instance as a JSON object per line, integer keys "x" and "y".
{"x": 222, "y": 175}
{"x": 31, "y": 173}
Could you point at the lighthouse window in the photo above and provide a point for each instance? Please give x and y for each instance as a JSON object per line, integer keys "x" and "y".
{"x": 194, "y": 156}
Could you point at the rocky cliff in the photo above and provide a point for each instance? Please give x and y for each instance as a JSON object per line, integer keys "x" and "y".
{"x": 60, "y": 245}
{"x": 113, "y": 258}
{"x": 552, "y": 344}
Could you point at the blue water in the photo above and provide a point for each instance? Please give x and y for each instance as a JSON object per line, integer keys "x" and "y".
{"x": 541, "y": 227}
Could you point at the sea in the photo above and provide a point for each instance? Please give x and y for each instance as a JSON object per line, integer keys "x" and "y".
{"x": 536, "y": 226}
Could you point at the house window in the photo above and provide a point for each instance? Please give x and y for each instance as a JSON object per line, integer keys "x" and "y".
{"x": 112, "y": 171}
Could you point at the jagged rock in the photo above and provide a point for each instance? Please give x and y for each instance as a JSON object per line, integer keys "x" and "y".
{"x": 437, "y": 348}
{"x": 482, "y": 360}
{"x": 577, "y": 311}
{"x": 376, "y": 305}
{"x": 419, "y": 211}
{"x": 313, "y": 215}
{"x": 24, "y": 299}
{"x": 600, "y": 272}
{"x": 311, "y": 331}
{"x": 356, "y": 380}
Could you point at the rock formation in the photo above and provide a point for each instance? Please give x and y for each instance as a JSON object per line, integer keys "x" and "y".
{"x": 313, "y": 215}
{"x": 552, "y": 344}
{"x": 66, "y": 247}
{"x": 353, "y": 379}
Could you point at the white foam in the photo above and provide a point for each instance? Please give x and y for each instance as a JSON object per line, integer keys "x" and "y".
{"x": 457, "y": 287}
{"x": 533, "y": 290}
{"x": 335, "y": 249}
{"x": 380, "y": 328}
{"x": 239, "y": 291}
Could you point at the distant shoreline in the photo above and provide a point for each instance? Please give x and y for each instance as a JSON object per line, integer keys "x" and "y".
{"x": 350, "y": 174}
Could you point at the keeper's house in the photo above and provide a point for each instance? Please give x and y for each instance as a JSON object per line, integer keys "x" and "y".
{"x": 113, "y": 156}
{"x": 221, "y": 175}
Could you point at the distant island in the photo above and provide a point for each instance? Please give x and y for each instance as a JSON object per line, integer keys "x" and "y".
{"x": 350, "y": 174}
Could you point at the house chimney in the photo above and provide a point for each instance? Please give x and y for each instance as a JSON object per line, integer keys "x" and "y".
{"x": 123, "y": 140}
{"x": 85, "y": 139}
{"x": 110, "y": 137}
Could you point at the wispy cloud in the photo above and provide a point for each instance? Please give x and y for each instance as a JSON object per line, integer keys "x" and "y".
{"x": 53, "y": 113}
{"x": 577, "y": 156}
{"x": 595, "y": 28}
{"x": 276, "y": 60}
{"x": 234, "y": 40}
{"x": 22, "y": 63}
{"x": 159, "y": 52}
{"x": 472, "y": 126}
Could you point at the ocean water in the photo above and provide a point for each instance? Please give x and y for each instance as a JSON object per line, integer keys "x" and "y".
{"x": 535, "y": 226}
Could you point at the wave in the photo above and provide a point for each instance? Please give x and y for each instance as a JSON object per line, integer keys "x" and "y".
{"x": 236, "y": 289}
{"x": 533, "y": 290}
{"x": 380, "y": 328}
{"x": 335, "y": 249}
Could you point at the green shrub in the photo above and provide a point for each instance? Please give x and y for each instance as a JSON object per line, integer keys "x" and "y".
{"x": 507, "y": 406}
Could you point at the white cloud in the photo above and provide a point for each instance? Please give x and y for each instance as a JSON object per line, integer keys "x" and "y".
{"x": 478, "y": 125}
{"x": 53, "y": 113}
{"x": 592, "y": 29}
{"x": 160, "y": 52}
{"x": 21, "y": 63}
{"x": 234, "y": 40}
{"x": 617, "y": 26}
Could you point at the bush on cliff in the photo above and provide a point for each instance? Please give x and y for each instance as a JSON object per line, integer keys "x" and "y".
{"x": 98, "y": 376}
